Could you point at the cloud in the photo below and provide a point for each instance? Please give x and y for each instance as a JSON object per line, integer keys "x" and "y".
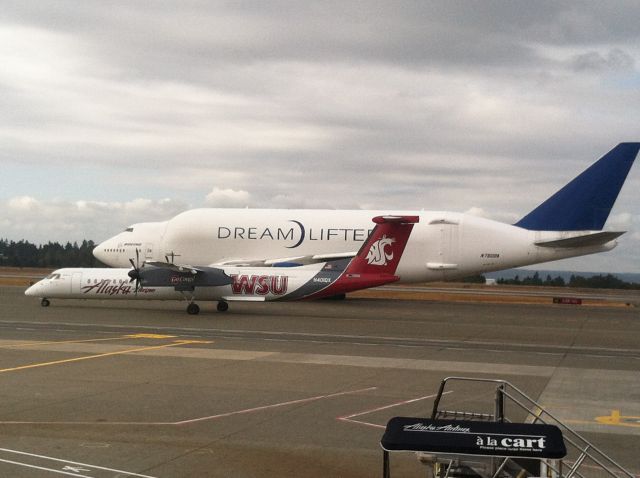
{"x": 227, "y": 198}
{"x": 620, "y": 222}
{"x": 23, "y": 204}
{"x": 615, "y": 60}
{"x": 477, "y": 211}
{"x": 41, "y": 221}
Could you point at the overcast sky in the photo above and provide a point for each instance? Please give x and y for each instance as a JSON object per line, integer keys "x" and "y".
{"x": 119, "y": 112}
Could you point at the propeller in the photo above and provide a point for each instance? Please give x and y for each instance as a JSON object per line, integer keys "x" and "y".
{"x": 134, "y": 273}
{"x": 171, "y": 255}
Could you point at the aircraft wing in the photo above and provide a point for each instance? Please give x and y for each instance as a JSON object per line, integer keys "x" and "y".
{"x": 584, "y": 240}
{"x": 174, "y": 267}
{"x": 290, "y": 261}
{"x": 333, "y": 257}
{"x": 181, "y": 277}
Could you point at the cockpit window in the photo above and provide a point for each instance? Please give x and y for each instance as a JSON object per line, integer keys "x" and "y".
{"x": 129, "y": 229}
{"x": 53, "y": 276}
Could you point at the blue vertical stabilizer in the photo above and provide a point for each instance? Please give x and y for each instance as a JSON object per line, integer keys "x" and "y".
{"x": 585, "y": 203}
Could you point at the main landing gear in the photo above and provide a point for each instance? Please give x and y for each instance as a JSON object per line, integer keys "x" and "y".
{"x": 223, "y": 306}
{"x": 194, "y": 309}
{"x": 45, "y": 302}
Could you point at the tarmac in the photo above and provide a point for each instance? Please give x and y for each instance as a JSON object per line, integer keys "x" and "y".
{"x": 141, "y": 389}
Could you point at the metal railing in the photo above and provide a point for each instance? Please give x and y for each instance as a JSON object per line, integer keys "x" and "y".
{"x": 584, "y": 459}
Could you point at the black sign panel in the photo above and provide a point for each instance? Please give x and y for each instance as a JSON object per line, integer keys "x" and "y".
{"x": 464, "y": 437}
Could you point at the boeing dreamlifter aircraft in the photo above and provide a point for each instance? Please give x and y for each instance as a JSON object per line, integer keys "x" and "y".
{"x": 443, "y": 245}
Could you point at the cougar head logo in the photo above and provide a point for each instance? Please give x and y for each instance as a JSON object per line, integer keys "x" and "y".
{"x": 377, "y": 254}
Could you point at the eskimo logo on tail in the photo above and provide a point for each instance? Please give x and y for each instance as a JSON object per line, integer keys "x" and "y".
{"x": 377, "y": 255}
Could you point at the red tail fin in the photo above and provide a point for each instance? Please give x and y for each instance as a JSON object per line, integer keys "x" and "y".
{"x": 377, "y": 260}
{"x": 381, "y": 252}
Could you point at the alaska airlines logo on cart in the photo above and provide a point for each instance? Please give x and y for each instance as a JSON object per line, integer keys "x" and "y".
{"x": 108, "y": 287}
{"x": 259, "y": 284}
{"x": 295, "y": 235}
{"x": 377, "y": 255}
{"x": 421, "y": 427}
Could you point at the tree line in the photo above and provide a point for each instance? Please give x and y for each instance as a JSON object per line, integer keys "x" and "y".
{"x": 601, "y": 281}
{"x": 49, "y": 255}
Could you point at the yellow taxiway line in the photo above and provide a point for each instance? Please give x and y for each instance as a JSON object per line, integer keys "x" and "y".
{"x": 133, "y": 336}
{"x": 88, "y": 357}
{"x": 616, "y": 418}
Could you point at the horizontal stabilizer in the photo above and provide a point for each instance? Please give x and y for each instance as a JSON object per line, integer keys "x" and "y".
{"x": 585, "y": 240}
{"x": 240, "y": 263}
{"x": 585, "y": 203}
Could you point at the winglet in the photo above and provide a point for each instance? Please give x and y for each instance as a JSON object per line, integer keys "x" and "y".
{"x": 585, "y": 203}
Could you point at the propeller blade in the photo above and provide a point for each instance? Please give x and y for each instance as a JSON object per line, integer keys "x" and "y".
{"x": 134, "y": 273}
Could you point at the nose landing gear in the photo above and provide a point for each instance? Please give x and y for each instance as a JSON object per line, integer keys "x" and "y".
{"x": 193, "y": 309}
{"x": 45, "y": 302}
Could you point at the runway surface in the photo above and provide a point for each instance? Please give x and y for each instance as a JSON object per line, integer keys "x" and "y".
{"x": 105, "y": 389}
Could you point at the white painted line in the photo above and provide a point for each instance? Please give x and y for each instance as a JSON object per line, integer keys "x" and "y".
{"x": 349, "y": 418}
{"x": 360, "y": 422}
{"x": 194, "y": 420}
{"x": 18, "y": 463}
{"x": 275, "y": 405}
{"x": 44, "y": 457}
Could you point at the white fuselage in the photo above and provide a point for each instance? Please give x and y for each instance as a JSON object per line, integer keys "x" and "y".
{"x": 442, "y": 246}
{"x": 249, "y": 283}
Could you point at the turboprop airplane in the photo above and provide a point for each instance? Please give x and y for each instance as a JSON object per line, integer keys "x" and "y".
{"x": 443, "y": 246}
{"x": 375, "y": 264}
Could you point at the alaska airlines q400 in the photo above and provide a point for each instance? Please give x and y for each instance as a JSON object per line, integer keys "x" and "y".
{"x": 443, "y": 246}
{"x": 375, "y": 264}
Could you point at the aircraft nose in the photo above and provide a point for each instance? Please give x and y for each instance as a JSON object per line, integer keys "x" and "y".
{"x": 99, "y": 252}
{"x": 33, "y": 291}
{"x": 111, "y": 252}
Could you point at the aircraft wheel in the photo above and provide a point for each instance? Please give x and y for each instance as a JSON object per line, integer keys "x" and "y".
{"x": 193, "y": 309}
{"x": 223, "y": 306}
{"x": 45, "y": 302}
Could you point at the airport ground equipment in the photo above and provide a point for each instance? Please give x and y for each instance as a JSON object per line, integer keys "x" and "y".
{"x": 513, "y": 438}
